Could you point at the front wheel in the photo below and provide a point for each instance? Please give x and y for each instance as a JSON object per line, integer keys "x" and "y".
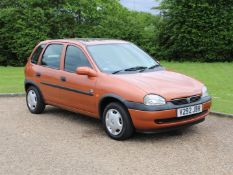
{"x": 117, "y": 122}
{"x": 34, "y": 100}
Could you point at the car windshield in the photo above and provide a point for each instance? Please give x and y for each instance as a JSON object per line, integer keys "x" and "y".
{"x": 118, "y": 57}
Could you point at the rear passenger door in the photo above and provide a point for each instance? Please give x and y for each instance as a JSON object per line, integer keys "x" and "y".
{"x": 79, "y": 89}
{"x": 49, "y": 73}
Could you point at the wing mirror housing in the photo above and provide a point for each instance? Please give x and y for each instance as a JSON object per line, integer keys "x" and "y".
{"x": 86, "y": 71}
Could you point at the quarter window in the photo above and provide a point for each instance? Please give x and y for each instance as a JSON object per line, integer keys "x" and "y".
{"x": 75, "y": 58}
{"x": 37, "y": 53}
{"x": 52, "y": 55}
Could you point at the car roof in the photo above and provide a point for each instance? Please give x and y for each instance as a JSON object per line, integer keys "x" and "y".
{"x": 87, "y": 41}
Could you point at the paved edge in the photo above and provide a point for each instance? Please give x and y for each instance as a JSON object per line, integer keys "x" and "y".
{"x": 220, "y": 114}
{"x": 12, "y": 95}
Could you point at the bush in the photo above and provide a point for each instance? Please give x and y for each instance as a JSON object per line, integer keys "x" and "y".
{"x": 196, "y": 30}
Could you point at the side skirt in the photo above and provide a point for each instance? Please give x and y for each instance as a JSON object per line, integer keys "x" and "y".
{"x": 75, "y": 110}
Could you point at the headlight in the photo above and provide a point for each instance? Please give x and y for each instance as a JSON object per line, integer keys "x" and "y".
{"x": 204, "y": 92}
{"x": 152, "y": 100}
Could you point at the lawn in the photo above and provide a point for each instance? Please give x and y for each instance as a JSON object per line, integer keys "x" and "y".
{"x": 218, "y": 77}
{"x": 11, "y": 79}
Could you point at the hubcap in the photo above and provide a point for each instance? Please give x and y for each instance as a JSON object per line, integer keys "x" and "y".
{"x": 32, "y": 99}
{"x": 114, "y": 122}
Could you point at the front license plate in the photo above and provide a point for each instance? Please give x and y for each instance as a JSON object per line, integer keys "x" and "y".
{"x": 189, "y": 110}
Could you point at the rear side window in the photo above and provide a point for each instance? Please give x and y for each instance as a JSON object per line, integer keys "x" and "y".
{"x": 52, "y": 55}
{"x": 75, "y": 58}
{"x": 36, "y": 54}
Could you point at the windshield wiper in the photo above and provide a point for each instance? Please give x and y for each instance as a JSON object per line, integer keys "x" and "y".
{"x": 136, "y": 68}
{"x": 154, "y": 66}
{"x": 115, "y": 72}
{"x": 131, "y": 69}
{"x": 141, "y": 68}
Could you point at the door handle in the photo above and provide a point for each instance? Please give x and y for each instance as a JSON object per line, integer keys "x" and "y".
{"x": 63, "y": 79}
{"x": 38, "y": 74}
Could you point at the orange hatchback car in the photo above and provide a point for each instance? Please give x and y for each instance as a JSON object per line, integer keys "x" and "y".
{"x": 114, "y": 81}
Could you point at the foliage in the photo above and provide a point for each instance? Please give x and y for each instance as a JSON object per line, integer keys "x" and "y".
{"x": 24, "y": 23}
{"x": 196, "y": 30}
{"x": 185, "y": 30}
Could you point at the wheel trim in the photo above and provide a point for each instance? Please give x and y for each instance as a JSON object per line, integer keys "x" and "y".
{"x": 114, "y": 122}
{"x": 32, "y": 99}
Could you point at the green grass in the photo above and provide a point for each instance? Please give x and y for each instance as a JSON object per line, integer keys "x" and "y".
{"x": 218, "y": 77}
{"x": 11, "y": 79}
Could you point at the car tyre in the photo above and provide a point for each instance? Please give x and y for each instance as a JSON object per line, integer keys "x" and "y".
{"x": 34, "y": 100}
{"x": 117, "y": 122}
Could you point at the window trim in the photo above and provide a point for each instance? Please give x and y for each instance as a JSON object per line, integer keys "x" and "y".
{"x": 62, "y": 50}
{"x": 35, "y": 49}
{"x": 64, "y": 60}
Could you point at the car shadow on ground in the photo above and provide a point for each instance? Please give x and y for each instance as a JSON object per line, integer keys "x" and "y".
{"x": 95, "y": 126}
{"x": 175, "y": 134}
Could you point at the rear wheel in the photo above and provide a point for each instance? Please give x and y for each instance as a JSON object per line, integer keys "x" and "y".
{"x": 34, "y": 99}
{"x": 117, "y": 122}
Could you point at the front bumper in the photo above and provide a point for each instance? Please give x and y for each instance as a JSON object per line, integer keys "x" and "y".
{"x": 148, "y": 119}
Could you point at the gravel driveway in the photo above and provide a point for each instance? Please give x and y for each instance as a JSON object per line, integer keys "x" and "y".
{"x": 61, "y": 142}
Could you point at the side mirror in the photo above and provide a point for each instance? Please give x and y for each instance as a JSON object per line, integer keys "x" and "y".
{"x": 86, "y": 71}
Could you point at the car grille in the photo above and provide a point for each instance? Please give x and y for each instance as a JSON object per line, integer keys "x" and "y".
{"x": 186, "y": 100}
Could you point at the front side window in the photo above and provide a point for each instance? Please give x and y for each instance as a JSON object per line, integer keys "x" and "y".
{"x": 75, "y": 58}
{"x": 52, "y": 55}
{"x": 120, "y": 56}
{"x": 36, "y": 54}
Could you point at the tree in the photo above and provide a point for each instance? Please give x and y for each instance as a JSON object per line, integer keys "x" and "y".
{"x": 24, "y": 23}
{"x": 196, "y": 30}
